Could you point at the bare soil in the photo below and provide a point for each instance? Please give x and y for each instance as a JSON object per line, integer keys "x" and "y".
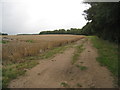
{"x": 58, "y": 72}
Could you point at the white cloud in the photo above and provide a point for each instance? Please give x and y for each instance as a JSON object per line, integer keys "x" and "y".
{"x": 33, "y": 16}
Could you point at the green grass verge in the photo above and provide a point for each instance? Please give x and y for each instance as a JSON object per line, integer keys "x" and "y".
{"x": 108, "y": 54}
{"x": 76, "y": 55}
{"x": 12, "y": 71}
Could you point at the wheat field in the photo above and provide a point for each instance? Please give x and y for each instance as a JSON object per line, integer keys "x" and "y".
{"x": 16, "y": 47}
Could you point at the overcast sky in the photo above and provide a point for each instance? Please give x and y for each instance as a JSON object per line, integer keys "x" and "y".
{"x": 33, "y": 16}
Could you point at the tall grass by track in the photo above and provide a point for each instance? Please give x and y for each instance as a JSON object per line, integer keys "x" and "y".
{"x": 108, "y": 54}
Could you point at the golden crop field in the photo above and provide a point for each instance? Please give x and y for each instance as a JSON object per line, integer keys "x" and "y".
{"x": 15, "y": 47}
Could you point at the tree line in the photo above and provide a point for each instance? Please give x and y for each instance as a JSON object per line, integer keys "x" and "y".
{"x": 73, "y": 31}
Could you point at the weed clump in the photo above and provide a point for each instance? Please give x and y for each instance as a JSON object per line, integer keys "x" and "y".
{"x": 64, "y": 84}
{"x": 81, "y": 67}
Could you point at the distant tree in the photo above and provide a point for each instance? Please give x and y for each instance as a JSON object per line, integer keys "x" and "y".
{"x": 3, "y": 33}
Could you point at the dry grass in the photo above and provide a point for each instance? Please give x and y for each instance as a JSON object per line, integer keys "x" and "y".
{"x": 28, "y": 45}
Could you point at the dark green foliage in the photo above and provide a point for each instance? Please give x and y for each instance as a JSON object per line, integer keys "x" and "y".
{"x": 87, "y": 29}
{"x": 73, "y": 31}
{"x": 3, "y": 33}
{"x": 104, "y": 20}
